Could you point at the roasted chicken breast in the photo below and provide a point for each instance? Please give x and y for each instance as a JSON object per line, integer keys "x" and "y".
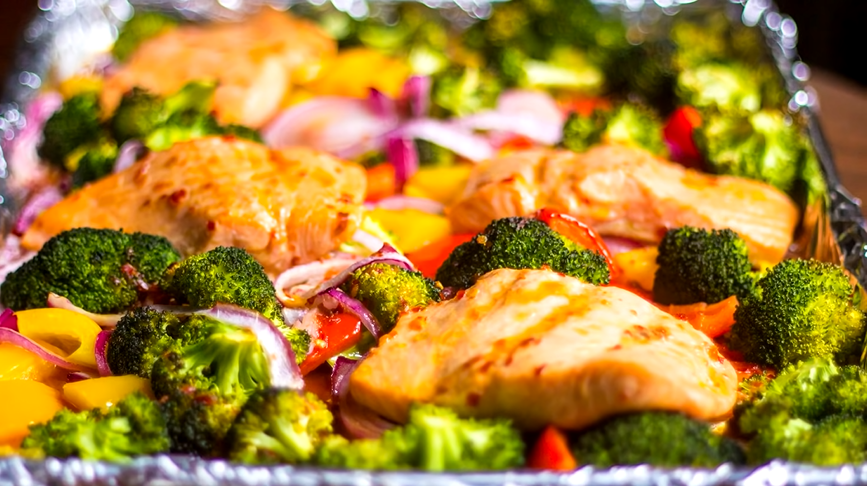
{"x": 542, "y": 348}
{"x": 284, "y": 207}
{"x": 255, "y": 63}
{"x": 627, "y": 192}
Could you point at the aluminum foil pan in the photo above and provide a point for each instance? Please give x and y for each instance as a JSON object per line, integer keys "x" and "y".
{"x": 69, "y": 34}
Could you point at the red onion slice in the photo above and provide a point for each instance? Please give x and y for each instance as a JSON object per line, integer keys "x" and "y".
{"x": 8, "y": 320}
{"x": 129, "y": 153}
{"x": 398, "y": 203}
{"x": 358, "y": 421}
{"x": 536, "y": 104}
{"x": 367, "y": 240}
{"x": 528, "y": 126}
{"x": 303, "y": 278}
{"x": 403, "y": 155}
{"x": 35, "y": 205}
{"x": 100, "y": 350}
{"x": 345, "y": 127}
{"x": 356, "y": 308}
{"x": 78, "y": 376}
{"x": 387, "y": 255}
{"x": 12, "y": 337}
{"x": 618, "y": 245}
{"x": 416, "y": 93}
{"x": 449, "y": 136}
{"x": 381, "y": 105}
{"x": 24, "y": 162}
{"x": 103, "y": 320}
{"x": 283, "y": 369}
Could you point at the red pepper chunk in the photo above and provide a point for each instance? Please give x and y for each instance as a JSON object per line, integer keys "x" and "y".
{"x": 580, "y": 233}
{"x": 551, "y": 452}
{"x": 429, "y": 259}
{"x": 337, "y": 333}
{"x": 678, "y": 133}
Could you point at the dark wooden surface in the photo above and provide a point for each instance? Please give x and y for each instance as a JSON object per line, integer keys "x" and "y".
{"x": 843, "y": 104}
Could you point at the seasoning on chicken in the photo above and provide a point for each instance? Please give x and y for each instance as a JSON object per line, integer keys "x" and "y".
{"x": 254, "y": 62}
{"x": 541, "y": 348}
{"x": 624, "y": 191}
{"x": 284, "y": 207}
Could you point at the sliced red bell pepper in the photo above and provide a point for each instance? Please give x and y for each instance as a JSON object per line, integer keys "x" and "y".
{"x": 381, "y": 182}
{"x": 678, "y": 133}
{"x": 337, "y": 333}
{"x": 428, "y": 260}
{"x": 713, "y": 320}
{"x": 551, "y": 452}
{"x": 581, "y": 233}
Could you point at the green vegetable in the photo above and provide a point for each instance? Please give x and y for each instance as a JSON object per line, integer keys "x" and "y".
{"x": 388, "y": 290}
{"x": 812, "y": 412}
{"x": 278, "y": 426}
{"x": 461, "y": 91}
{"x": 725, "y": 86}
{"x": 133, "y": 427}
{"x": 144, "y": 334}
{"x": 100, "y": 270}
{"x": 434, "y": 439}
{"x": 655, "y": 438}
{"x": 697, "y": 265}
{"x": 764, "y": 146}
{"x": 77, "y": 123}
{"x": 141, "y": 27}
{"x": 140, "y": 112}
{"x": 92, "y": 161}
{"x": 520, "y": 243}
{"x": 801, "y": 309}
{"x": 628, "y": 124}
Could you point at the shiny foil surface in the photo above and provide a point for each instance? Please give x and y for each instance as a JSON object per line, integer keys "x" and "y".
{"x": 67, "y": 35}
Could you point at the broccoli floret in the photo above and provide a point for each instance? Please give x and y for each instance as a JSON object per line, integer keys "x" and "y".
{"x": 92, "y": 162}
{"x": 725, "y": 86}
{"x": 764, "y": 146}
{"x": 812, "y": 412}
{"x": 77, "y": 123}
{"x": 100, "y": 270}
{"x": 656, "y": 438}
{"x": 300, "y": 341}
{"x": 520, "y": 243}
{"x": 133, "y": 427}
{"x": 279, "y": 426}
{"x": 224, "y": 275}
{"x": 461, "y": 91}
{"x": 387, "y": 291}
{"x": 699, "y": 265}
{"x": 801, "y": 309}
{"x": 143, "y": 26}
{"x": 144, "y": 334}
{"x": 204, "y": 384}
{"x": 566, "y": 69}
{"x": 628, "y": 124}
{"x": 140, "y": 112}
{"x": 434, "y": 439}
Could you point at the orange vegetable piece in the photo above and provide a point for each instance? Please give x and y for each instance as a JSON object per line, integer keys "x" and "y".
{"x": 428, "y": 260}
{"x": 381, "y": 182}
{"x": 551, "y": 452}
{"x": 713, "y": 320}
{"x": 25, "y": 403}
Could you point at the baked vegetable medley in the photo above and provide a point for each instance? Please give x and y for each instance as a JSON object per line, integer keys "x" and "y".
{"x": 542, "y": 239}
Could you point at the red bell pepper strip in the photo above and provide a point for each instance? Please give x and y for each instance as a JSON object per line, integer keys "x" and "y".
{"x": 428, "y": 260}
{"x": 551, "y": 452}
{"x": 337, "y": 333}
{"x": 714, "y": 320}
{"x": 678, "y": 133}
{"x": 581, "y": 233}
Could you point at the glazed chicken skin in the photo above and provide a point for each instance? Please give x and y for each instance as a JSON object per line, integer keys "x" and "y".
{"x": 284, "y": 207}
{"x": 627, "y": 192}
{"x": 542, "y": 348}
{"x": 254, "y": 62}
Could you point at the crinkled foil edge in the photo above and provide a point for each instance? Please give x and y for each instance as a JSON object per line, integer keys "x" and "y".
{"x": 66, "y": 32}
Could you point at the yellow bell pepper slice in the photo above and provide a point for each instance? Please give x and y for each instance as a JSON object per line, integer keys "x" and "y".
{"x": 19, "y": 364}
{"x": 354, "y": 71}
{"x": 67, "y": 333}
{"x": 638, "y": 266}
{"x": 442, "y": 184}
{"x": 25, "y": 402}
{"x": 412, "y": 229}
{"x": 104, "y": 392}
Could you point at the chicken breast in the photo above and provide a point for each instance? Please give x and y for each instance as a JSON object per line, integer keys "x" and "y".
{"x": 627, "y": 192}
{"x": 255, "y": 63}
{"x": 284, "y": 207}
{"x": 542, "y": 348}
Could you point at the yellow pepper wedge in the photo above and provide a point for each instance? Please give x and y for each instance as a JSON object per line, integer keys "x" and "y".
{"x": 354, "y": 71}
{"x": 442, "y": 184}
{"x": 25, "y": 402}
{"x": 104, "y": 392}
{"x": 412, "y": 229}
{"x": 638, "y": 266}
{"x": 64, "y": 332}
{"x": 19, "y": 364}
